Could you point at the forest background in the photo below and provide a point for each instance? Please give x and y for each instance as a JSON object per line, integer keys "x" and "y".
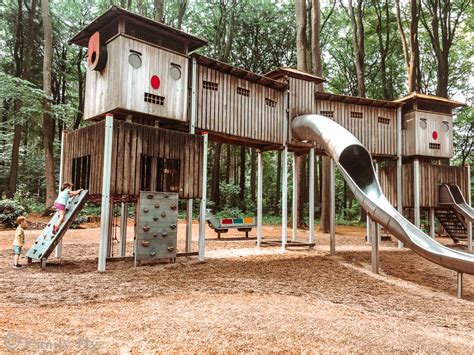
{"x": 378, "y": 49}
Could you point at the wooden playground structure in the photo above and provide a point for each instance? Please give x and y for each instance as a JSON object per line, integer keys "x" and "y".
{"x": 154, "y": 104}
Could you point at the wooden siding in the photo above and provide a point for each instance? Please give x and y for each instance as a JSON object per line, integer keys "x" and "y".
{"x": 301, "y": 100}
{"x": 120, "y": 86}
{"x": 431, "y": 176}
{"x": 224, "y": 111}
{"x": 376, "y": 129}
{"x": 417, "y": 140}
{"x": 131, "y": 141}
{"x": 82, "y": 142}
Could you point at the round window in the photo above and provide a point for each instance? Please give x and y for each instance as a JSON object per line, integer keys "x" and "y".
{"x": 423, "y": 123}
{"x": 175, "y": 73}
{"x": 445, "y": 126}
{"x": 135, "y": 60}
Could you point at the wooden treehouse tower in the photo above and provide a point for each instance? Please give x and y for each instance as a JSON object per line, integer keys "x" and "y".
{"x": 153, "y": 104}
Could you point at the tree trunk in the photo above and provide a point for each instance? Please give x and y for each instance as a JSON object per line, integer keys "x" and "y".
{"x": 159, "y": 10}
{"x": 276, "y": 208}
{"x": 302, "y": 191}
{"x": 48, "y": 122}
{"x": 182, "y": 4}
{"x": 358, "y": 44}
{"x": 242, "y": 177}
{"x": 216, "y": 168}
{"x": 325, "y": 196}
{"x": 301, "y": 41}
{"x": 228, "y": 164}
{"x": 316, "y": 41}
{"x": 253, "y": 175}
{"x": 414, "y": 60}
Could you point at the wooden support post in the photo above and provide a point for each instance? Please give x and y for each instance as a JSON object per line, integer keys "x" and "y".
{"x": 311, "y": 195}
{"x": 284, "y": 199}
{"x": 416, "y": 191}
{"x": 399, "y": 167}
{"x": 106, "y": 176}
{"x": 459, "y": 285}
{"x": 259, "y": 197}
{"x": 202, "y": 213}
{"x": 332, "y": 213}
{"x": 432, "y": 223}
{"x": 192, "y": 129}
{"x": 59, "y": 247}
{"x": 375, "y": 247}
{"x": 294, "y": 201}
{"x": 369, "y": 235}
{"x": 123, "y": 228}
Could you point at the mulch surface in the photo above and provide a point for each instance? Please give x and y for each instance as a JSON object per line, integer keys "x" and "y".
{"x": 235, "y": 301}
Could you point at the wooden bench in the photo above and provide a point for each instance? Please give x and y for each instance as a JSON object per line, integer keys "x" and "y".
{"x": 223, "y": 225}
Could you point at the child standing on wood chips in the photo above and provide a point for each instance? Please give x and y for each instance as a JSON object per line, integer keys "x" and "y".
{"x": 19, "y": 241}
{"x": 61, "y": 201}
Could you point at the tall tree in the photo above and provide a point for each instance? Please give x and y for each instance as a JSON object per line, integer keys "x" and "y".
{"x": 441, "y": 20}
{"x": 301, "y": 51}
{"x": 412, "y": 54}
{"x": 358, "y": 43}
{"x": 48, "y": 122}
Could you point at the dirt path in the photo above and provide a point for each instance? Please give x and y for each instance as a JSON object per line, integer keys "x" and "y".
{"x": 238, "y": 300}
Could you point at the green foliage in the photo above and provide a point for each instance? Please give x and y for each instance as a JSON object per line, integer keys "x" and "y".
{"x": 24, "y": 198}
{"x": 10, "y": 210}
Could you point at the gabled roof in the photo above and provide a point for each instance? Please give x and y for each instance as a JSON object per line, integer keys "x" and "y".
{"x": 294, "y": 73}
{"x": 116, "y": 12}
{"x": 239, "y": 72}
{"x": 430, "y": 98}
{"x": 357, "y": 100}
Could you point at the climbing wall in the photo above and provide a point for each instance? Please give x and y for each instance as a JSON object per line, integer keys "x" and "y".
{"x": 157, "y": 224}
{"x": 47, "y": 241}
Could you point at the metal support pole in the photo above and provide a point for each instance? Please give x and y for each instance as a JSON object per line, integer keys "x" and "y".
{"x": 294, "y": 201}
{"x": 259, "y": 197}
{"x": 378, "y": 228}
{"x": 59, "y": 246}
{"x": 416, "y": 191}
{"x": 189, "y": 224}
{"x": 432, "y": 223}
{"x": 459, "y": 285}
{"x": 399, "y": 167}
{"x": 284, "y": 199}
{"x": 375, "y": 248}
{"x": 106, "y": 175}
{"x": 311, "y": 195}
{"x": 332, "y": 207}
{"x": 192, "y": 129}
{"x": 469, "y": 202}
{"x": 202, "y": 213}
{"x": 123, "y": 228}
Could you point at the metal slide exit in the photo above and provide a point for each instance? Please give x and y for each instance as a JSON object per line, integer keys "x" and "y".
{"x": 356, "y": 166}
{"x": 47, "y": 241}
{"x": 452, "y": 195}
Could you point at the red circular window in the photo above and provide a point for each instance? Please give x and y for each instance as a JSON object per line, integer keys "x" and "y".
{"x": 435, "y": 135}
{"x": 155, "y": 82}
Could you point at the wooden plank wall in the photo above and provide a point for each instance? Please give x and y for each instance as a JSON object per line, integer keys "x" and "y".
{"x": 122, "y": 86}
{"x": 377, "y": 135}
{"x": 132, "y": 140}
{"x": 227, "y": 112}
{"x": 86, "y": 141}
{"x": 431, "y": 176}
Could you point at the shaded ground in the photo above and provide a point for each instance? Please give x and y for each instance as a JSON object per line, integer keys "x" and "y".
{"x": 302, "y": 300}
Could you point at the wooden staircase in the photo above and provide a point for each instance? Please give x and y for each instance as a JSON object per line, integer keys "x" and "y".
{"x": 453, "y": 224}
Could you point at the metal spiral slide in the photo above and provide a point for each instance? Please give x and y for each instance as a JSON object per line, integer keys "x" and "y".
{"x": 355, "y": 164}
